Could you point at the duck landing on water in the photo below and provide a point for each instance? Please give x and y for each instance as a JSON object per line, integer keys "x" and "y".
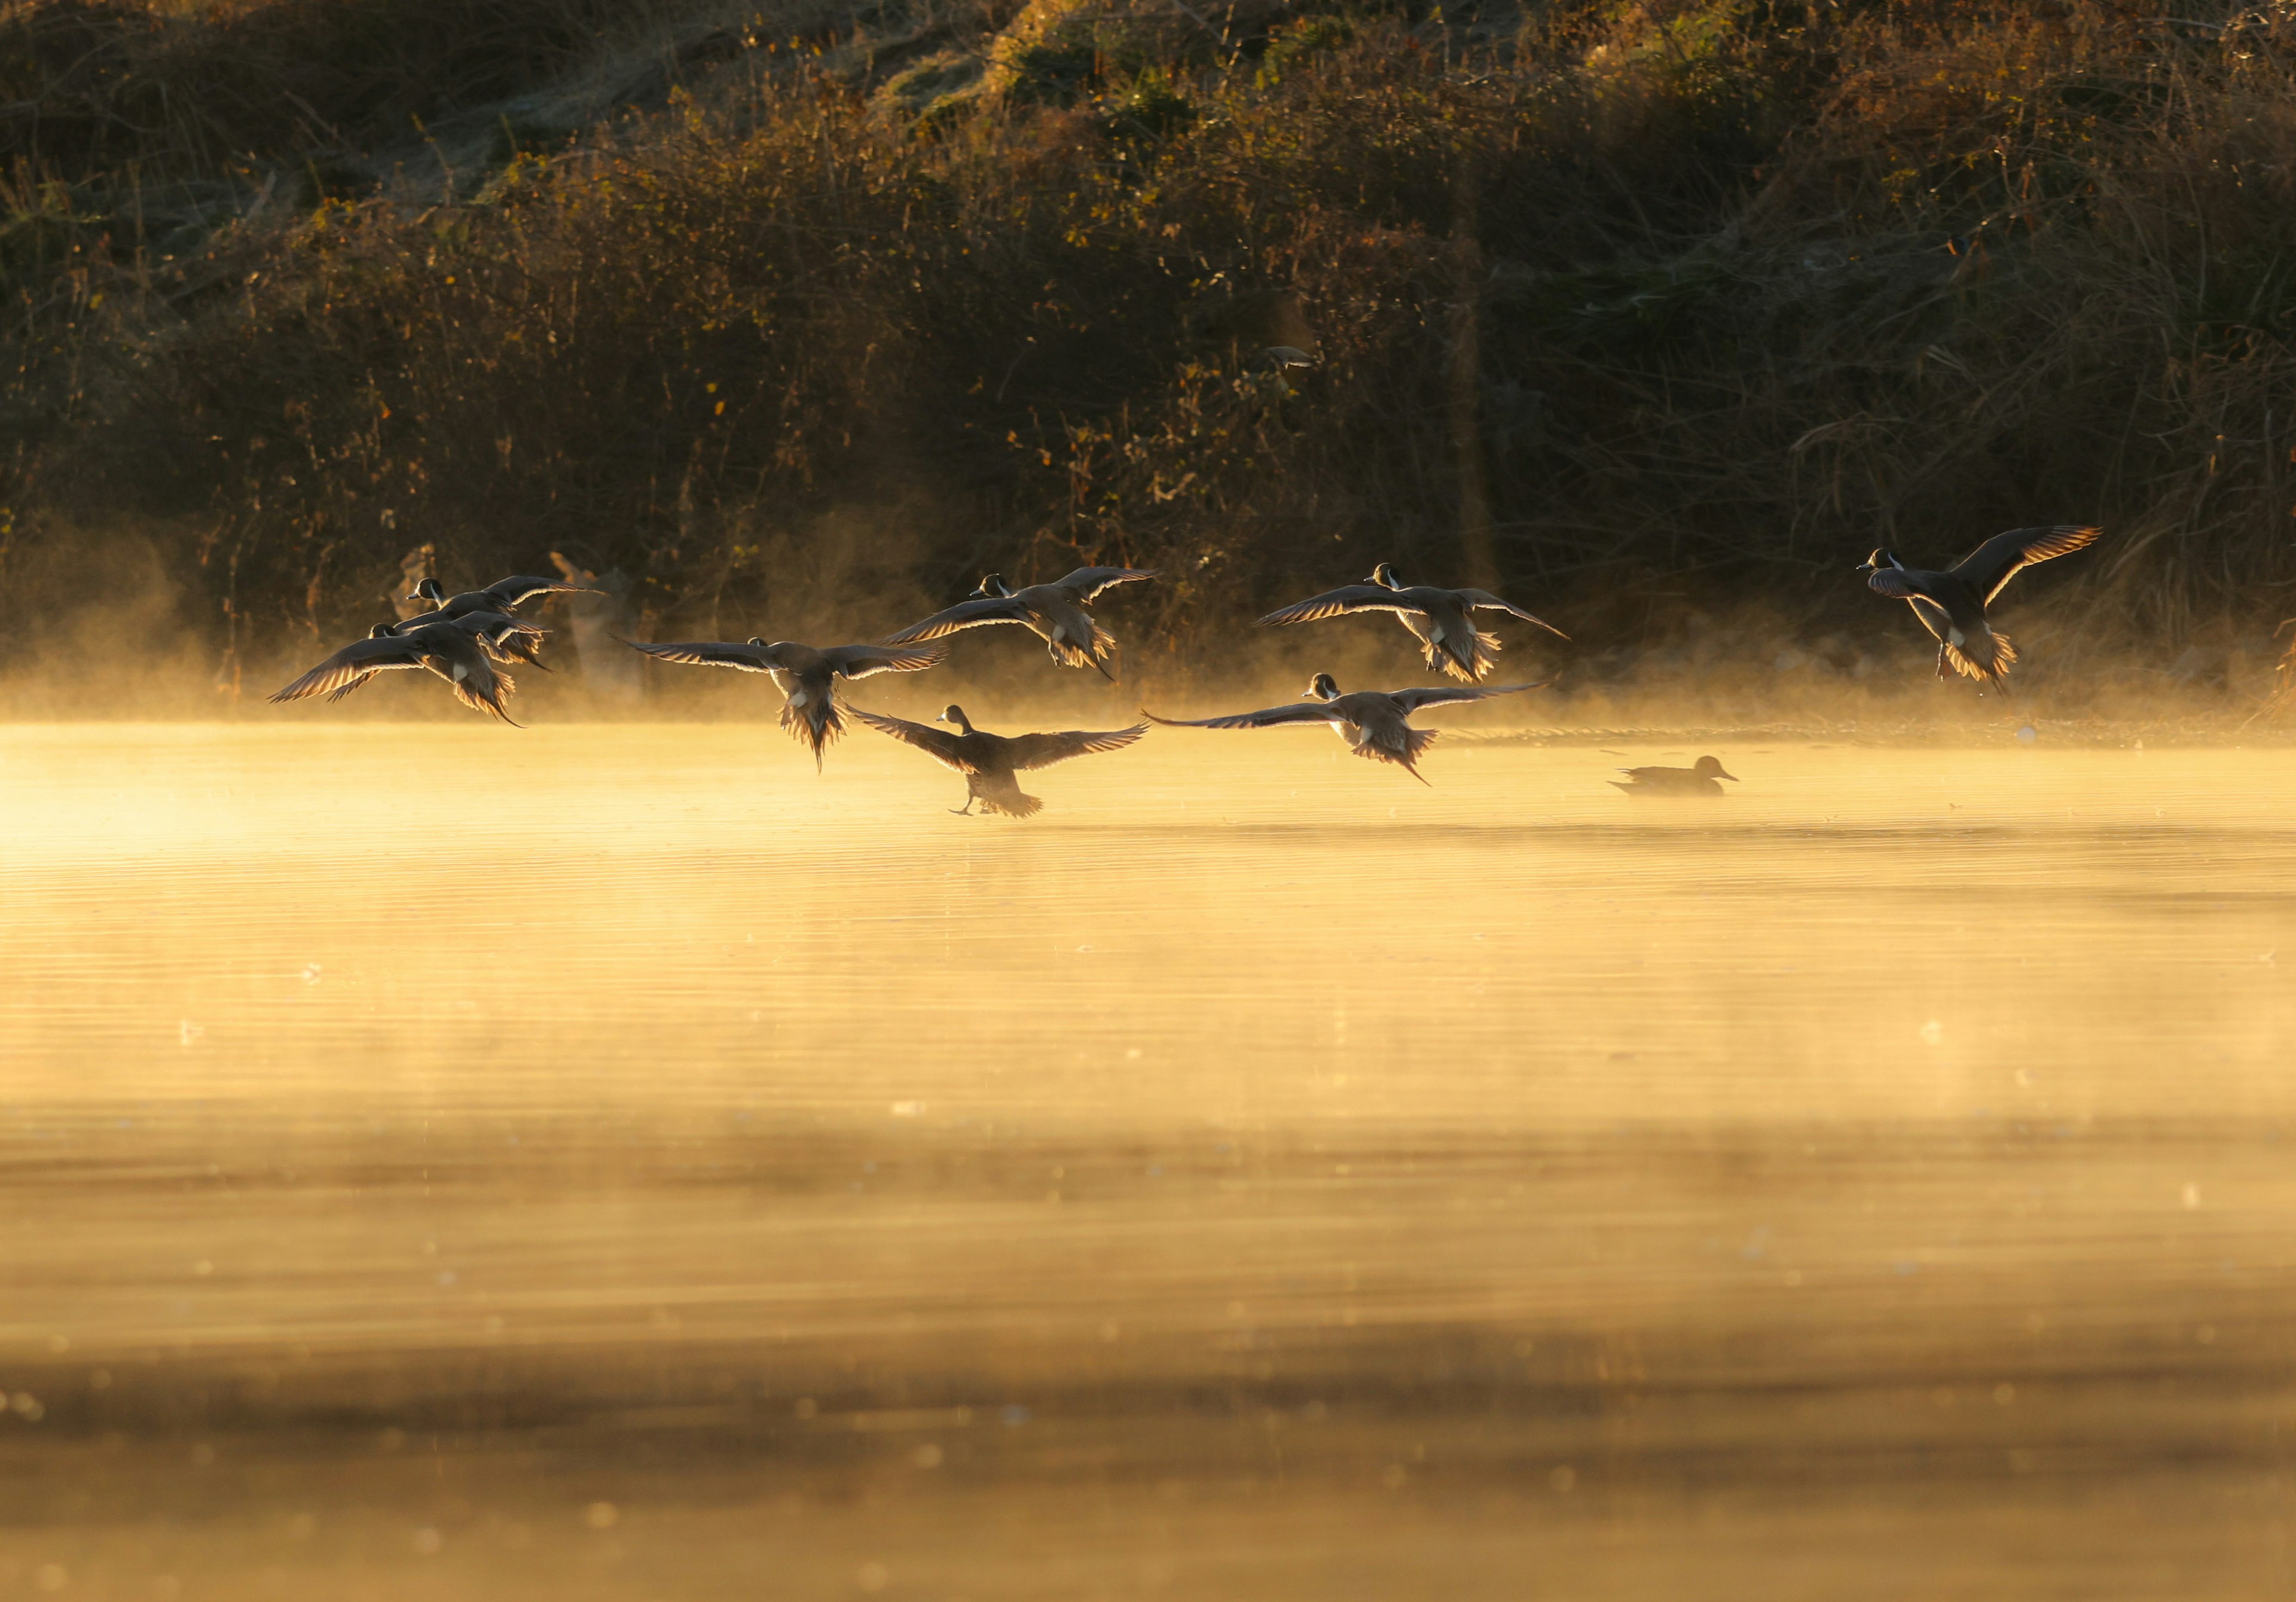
{"x": 1676, "y": 781}
{"x": 1951, "y": 604}
{"x": 989, "y": 761}
{"x": 1375, "y": 723}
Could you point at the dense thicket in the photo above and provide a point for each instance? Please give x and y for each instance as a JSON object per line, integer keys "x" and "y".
{"x": 1637, "y": 307}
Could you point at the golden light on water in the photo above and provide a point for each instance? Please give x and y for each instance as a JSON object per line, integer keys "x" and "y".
{"x": 613, "y": 1162}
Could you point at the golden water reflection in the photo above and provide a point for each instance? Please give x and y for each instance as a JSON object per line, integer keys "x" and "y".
{"x": 614, "y": 1161}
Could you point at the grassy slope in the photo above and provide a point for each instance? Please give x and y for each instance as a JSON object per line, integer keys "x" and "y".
{"x": 1640, "y": 309}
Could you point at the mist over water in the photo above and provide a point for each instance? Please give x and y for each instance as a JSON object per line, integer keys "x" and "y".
{"x": 611, "y": 1160}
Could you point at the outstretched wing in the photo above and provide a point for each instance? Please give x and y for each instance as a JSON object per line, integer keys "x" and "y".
{"x": 523, "y": 587}
{"x": 1999, "y": 559}
{"x": 1411, "y": 700}
{"x": 1042, "y": 751}
{"x": 1087, "y": 582}
{"x": 1483, "y": 600}
{"x": 964, "y": 614}
{"x": 351, "y": 665}
{"x": 859, "y": 661}
{"x": 1332, "y": 602}
{"x": 1305, "y": 712}
{"x": 709, "y": 653}
{"x": 937, "y": 744}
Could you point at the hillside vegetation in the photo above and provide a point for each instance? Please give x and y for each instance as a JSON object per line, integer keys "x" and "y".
{"x": 1646, "y": 312}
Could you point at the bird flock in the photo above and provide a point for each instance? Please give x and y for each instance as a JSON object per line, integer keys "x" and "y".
{"x": 470, "y": 640}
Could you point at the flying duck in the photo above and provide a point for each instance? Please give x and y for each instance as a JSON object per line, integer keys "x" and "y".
{"x": 505, "y": 597}
{"x": 989, "y": 761}
{"x": 1442, "y": 619}
{"x": 1676, "y": 781}
{"x": 1055, "y": 611}
{"x": 454, "y": 655}
{"x": 1951, "y": 604}
{"x": 1375, "y": 723}
{"x": 806, "y": 678}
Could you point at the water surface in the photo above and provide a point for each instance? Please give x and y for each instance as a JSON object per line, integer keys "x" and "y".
{"x": 612, "y": 1162}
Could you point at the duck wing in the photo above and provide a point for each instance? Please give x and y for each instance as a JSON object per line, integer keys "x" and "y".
{"x": 1042, "y": 751}
{"x": 1411, "y": 700}
{"x": 1087, "y": 582}
{"x": 1991, "y": 566}
{"x": 709, "y": 653}
{"x": 964, "y": 614}
{"x": 517, "y": 590}
{"x": 1483, "y": 600}
{"x": 1318, "y": 712}
{"x": 860, "y": 662}
{"x": 351, "y": 665}
{"x": 1332, "y": 602}
{"x": 938, "y": 744}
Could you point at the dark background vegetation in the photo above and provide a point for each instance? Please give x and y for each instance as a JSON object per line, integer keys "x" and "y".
{"x": 1645, "y": 313}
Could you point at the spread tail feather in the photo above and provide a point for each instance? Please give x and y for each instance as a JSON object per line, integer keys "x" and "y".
{"x": 1416, "y": 741}
{"x": 1012, "y": 803}
{"x": 1993, "y": 670}
{"x": 1478, "y": 661}
{"x": 816, "y": 727}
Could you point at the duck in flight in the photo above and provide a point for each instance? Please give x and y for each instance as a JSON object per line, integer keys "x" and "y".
{"x": 807, "y": 678}
{"x": 989, "y": 762}
{"x": 1951, "y": 603}
{"x": 1054, "y": 612}
{"x": 454, "y": 653}
{"x": 1676, "y": 781}
{"x": 1375, "y": 723}
{"x": 505, "y": 597}
{"x": 1443, "y": 619}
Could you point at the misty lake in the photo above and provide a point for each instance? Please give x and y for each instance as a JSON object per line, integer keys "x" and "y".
{"x": 612, "y": 1162}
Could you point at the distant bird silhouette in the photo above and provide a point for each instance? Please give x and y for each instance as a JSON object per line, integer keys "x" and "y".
{"x": 454, "y": 655}
{"x": 1442, "y": 619}
{"x": 1375, "y": 723}
{"x": 1676, "y": 781}
{"x": 989, "y": 762}
{"x": 1951, "y": 604}
{"x": 807, "y": 678}
{"x": 1055, "y": 612}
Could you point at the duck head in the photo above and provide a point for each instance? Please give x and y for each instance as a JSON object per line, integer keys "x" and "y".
{"x": 1383, "y": 575}
{"x": 990, "y": 587}
{"x": 429, "y": 590}
{"x": 1879, "y": 560}
{"x": 1710, "y": 767}
{"x": 955, "y": 714}
{"x": 381, "y": 631}
{"x": 1323, "y": 687}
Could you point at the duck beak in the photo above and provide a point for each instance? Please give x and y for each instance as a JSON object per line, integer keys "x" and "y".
{"x": 1865, "y": 567}
{"x": 1731, "y": 777}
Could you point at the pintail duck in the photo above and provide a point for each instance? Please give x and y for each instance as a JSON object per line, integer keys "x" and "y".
{"x": 1676, "y": 781}
{"x": 1054, "y": 612}
{"x": 806, "y": 678}
{"x": 1375, "y": 723}
{"x": 1951, "y": 604}
{"x": 1442, "y": 619}
{"x": 989, "y": 761}
{"x": 453, "y": 653}
{"x": 505, "y": 596}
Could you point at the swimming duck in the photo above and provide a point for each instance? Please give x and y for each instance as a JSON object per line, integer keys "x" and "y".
{"x": 454, "y": 655}
{"x": 1676, "y": 781}
{"x": 1951, "y": 604}
{"x": 1375, "y": 723}
{"x": 505, "y": 596}
{"x": 1442, "y": 619}
{"x": 1054, "y": 612}
{"x": 806, "y": 678}
{"x": 989, "y": 761}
